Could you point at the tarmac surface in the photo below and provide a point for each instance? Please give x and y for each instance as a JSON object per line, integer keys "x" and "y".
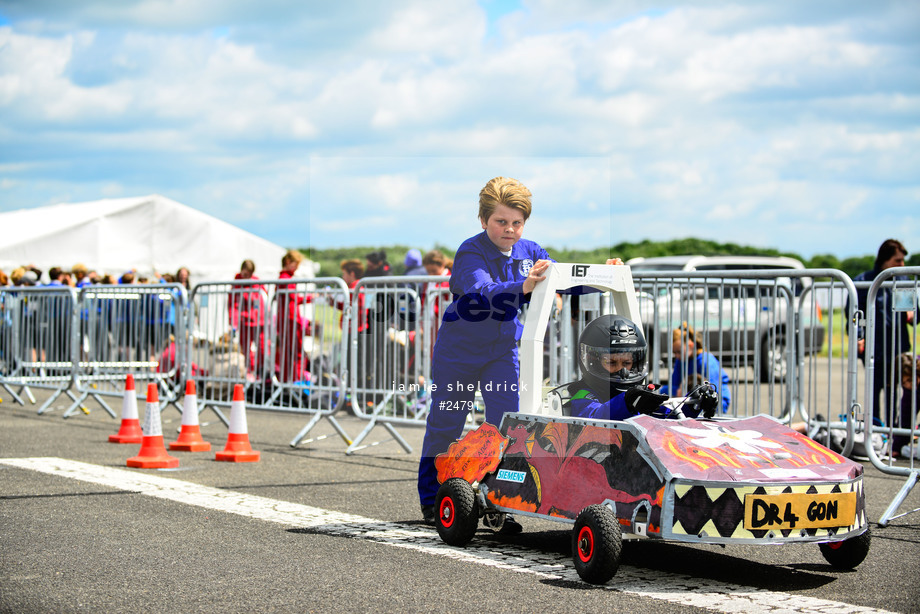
{"x": 311, "y": 529}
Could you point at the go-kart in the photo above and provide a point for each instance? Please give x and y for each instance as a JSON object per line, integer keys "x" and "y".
{"x": 710, "y": 480}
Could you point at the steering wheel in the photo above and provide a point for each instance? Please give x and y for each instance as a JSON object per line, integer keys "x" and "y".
{"x": 705, "y": 397}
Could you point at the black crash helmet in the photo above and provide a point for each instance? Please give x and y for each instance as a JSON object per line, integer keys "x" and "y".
{"x": 612, "y": 354}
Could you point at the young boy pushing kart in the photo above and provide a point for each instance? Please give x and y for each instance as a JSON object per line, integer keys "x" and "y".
{"x": 493, "y": 276}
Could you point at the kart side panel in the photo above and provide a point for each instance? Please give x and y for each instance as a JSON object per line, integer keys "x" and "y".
{"x": 556, "y": 467}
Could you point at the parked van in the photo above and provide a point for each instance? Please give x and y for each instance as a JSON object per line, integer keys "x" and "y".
{"x": 744, "y": 320}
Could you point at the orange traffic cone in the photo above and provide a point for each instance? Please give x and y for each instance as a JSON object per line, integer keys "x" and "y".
{"x": 153, "y": 453}
{"x": 190, "y": 436}
{"x": 130, "y": 431}
{"x": 238, "y": 449}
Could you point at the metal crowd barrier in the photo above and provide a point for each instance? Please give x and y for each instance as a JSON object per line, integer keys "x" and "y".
{"x": 827, "y": 396}
{"x": 129, "y": 328}
{"x": 390, "y": 356}
{"x": 898, "y": 291}
{"x": 37, "y": 341}
{"x": 745, "y": 318}
{"x": 280, "y": 339}
{"x": 766, "y": 328}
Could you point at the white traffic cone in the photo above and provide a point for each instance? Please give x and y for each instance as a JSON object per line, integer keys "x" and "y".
{"x": 190, "y": 436}
{"x": 238, "y": 449}
{"x": 130, "y": 431}
{"x": 153, "y": 453}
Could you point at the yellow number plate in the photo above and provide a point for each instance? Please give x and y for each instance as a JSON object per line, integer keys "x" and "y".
{"x": 799, "y": 511}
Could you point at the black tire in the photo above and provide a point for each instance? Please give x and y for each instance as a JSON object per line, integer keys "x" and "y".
{"x": 774, "y": 363}
{"x": 847, "y": 554}
{"x": 596, "y": 544}
{"x": 456, "y": 512}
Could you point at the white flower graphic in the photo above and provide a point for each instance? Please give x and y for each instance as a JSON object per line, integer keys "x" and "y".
{"x": 747, "y": 442}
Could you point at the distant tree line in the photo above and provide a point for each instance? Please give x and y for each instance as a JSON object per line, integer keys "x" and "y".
{"x": 329, "y": 259}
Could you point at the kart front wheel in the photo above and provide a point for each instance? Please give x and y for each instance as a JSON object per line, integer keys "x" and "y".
{"x": 847, "y": 554}
{"x": 456, "y": 512}
{"x": 596, "y": 544}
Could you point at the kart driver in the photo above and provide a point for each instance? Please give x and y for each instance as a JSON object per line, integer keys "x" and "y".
{"x": 612, "y": 354}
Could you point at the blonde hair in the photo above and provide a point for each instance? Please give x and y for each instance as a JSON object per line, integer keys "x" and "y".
{"x": 684, "y": 332}
{"x": 437, "y": 257}
{"x": 504, "y": 191}
{"x": 292, "y": 255}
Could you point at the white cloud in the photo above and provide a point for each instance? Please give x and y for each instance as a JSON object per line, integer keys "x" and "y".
{"x": 33, "y": 87}
{"x": 396, "y": 193}
{"x": 448, "y": 30}
{"x": 726, "y": 119}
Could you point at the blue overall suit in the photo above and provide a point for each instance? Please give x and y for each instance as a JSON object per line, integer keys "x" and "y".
{"x": 585, "y": 403}
{"x": 476, "y": 344}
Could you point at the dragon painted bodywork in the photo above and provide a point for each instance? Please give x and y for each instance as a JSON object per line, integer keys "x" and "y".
{"x": 711, "y": 481}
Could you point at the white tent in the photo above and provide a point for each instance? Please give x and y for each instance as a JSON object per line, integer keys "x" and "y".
{"x": 147, "y": 233}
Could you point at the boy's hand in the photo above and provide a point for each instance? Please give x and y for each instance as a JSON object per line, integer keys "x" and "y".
{"x": 644, "y": 400}
{"x": 536, "y": 275}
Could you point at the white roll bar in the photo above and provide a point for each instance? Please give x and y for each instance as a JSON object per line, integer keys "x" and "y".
{"x": 562, "y": 276}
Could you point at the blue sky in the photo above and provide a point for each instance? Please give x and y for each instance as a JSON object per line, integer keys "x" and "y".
{"x": 793, "y": 125}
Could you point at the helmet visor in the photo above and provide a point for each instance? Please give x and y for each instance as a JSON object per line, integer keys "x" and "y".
{"x": 617, "y": 365}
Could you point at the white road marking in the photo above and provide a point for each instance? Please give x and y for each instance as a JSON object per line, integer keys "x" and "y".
{"x": 674, "y": 588}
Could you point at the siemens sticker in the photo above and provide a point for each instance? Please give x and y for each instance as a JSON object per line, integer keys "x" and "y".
{"x": 511, "y": 476}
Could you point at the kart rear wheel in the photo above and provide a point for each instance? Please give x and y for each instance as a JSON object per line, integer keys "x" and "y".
{"x": 847, "y": 554}
{"x": 596, "y": 544}
{"x": 456, "y": 513}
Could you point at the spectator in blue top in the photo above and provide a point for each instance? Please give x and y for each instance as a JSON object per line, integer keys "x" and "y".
{"x": 493, "y": 275}
{"x": 413, "y": 263}
{"x": 82, "y": 276}
{"x": 700, "y": 366}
